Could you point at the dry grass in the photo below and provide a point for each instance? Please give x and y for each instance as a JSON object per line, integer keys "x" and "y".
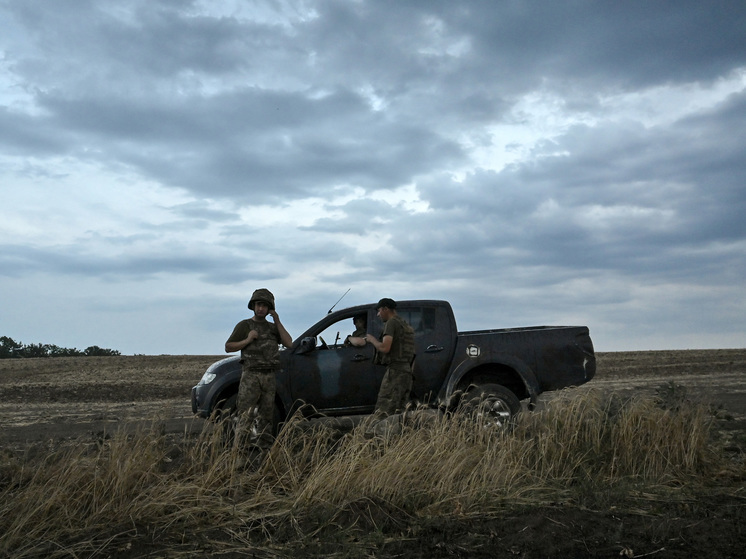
{"x": 100, "y": 499}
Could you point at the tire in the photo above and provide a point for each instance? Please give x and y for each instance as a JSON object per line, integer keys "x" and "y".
{"x": 225, "y": 408}
{"x": 225, "y": 415}
{"x": 492, "y": 405}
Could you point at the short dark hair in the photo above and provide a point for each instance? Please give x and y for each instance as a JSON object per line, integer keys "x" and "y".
{"x": 386, "y": 302}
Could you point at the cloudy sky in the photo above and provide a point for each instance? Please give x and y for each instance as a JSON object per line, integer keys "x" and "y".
{"x": 532, "y": 162}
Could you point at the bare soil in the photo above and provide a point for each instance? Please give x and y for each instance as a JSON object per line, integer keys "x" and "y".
{"x": 63, "y": 399}
{"x": 68, "y": 397}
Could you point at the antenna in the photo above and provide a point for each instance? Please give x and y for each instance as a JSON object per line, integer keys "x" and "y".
{"x": 338, "y": 300}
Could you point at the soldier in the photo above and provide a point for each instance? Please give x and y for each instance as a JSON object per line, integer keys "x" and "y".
{"x": 357, "y": 338}
{"x": 396, "y": 351}
{"x": 258, "y": 341}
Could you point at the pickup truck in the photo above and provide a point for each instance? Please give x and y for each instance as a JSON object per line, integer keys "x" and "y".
{"x": 500, "y": 367}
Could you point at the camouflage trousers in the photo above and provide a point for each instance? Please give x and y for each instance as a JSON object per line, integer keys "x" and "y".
{"x": 255, "y": 409}
{"x": 394, "y": 393}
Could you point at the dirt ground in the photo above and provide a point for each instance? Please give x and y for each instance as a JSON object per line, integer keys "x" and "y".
{"x": 44, "y": 400}
{"x": 68, "y": 397}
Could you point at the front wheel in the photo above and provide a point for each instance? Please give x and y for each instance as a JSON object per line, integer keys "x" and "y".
{"x": 492, "y": 405}
{"x": 226, "y": 411}
{"x": 226, "y": 408}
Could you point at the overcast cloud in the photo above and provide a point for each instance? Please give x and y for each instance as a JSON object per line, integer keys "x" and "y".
{"x": 532, "y": 162}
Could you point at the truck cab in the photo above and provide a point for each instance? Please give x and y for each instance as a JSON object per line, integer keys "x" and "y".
{"x": 343, "y": 379}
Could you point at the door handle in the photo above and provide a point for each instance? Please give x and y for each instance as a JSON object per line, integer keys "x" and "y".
{"x": 434, "y": 348}
{"x": 359, "y": 357}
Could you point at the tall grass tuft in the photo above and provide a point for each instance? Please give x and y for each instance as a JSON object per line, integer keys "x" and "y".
{"x": 195, "y": 493}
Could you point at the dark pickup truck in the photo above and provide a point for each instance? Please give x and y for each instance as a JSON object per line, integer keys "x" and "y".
{"x": 502, "y": 366}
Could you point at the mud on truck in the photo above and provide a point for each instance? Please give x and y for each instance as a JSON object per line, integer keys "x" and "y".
{"x": 500, "y": 367}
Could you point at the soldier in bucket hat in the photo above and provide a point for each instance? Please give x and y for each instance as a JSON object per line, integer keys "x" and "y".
{"x": 258, "y": 341}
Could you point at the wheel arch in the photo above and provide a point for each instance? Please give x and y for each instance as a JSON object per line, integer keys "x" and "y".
{"x": 511, "y": 373}
{"x": 224, "y": 394}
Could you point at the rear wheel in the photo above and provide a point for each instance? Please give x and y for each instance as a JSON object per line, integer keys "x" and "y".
{"x": 492, "y": 405}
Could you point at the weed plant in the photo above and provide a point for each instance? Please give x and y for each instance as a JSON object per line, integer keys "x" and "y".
{"x": 194, "y": 494}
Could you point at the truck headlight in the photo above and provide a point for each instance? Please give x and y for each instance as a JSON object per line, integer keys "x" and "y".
{"x": 207, "y": 378}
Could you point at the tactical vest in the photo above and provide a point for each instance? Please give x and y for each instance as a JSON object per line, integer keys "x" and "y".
{"x": 402, "y": 348}
{"x": 264, "y": 352}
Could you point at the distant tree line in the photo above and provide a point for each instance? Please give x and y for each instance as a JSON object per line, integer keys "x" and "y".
{"x": 10, "y": 348}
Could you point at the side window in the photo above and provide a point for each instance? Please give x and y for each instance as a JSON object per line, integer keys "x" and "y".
{"x": 421, "y": 319}
{"x": 413, "y": 317}
{"x": 428, "y": 320}
{"x": 335, "y": 334}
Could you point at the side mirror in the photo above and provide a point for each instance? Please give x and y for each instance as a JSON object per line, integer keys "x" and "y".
{"x": 307, "y": 345}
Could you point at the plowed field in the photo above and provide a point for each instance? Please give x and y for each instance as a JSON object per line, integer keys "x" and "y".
{"x": 48, "y": 400}
{"x": 68, "y": 397}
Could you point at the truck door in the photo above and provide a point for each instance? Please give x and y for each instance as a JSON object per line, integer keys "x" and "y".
{"x": 434, "y": 339}
{"x": 334, "y": 377}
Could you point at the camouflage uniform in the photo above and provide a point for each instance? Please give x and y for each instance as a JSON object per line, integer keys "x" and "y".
{"x": 360, "y": 330}
{"x": 358, "y": 333}
{"x": 397, "y": 382}
{"x": 256, "y": 391}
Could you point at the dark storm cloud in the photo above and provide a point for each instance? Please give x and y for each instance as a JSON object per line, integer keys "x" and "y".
{"x": 630, "y": 44}
{"x": 130, "y": 259}
{"x": 236, "y": 145}
{"x": 514, "y": 46}
{"x": 212, "y": 128}
{"x": 150, "y": 40}
{"x": 436, "y": 67}
{"x": 663, "y": 201}
{"x": 23, "y": 135}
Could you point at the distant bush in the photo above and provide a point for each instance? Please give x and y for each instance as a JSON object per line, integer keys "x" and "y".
{"x": 9, "y": 348}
